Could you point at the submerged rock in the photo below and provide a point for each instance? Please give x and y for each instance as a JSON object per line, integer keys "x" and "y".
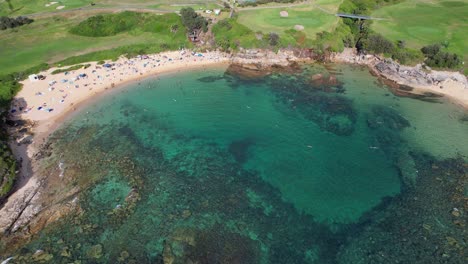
{"x": 41, "y": 256}
{"x": 95, "y": 252}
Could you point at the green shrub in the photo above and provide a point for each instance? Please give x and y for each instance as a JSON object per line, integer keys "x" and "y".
{"x": 407, "y": 56}
{"x": 113, "y": 24}
{"x": 9, "y": 86}
{"x": 377, "y": 44}
{"x": 7, "y": 22}
{"x": 193, "y": 21}
{"x": 273, "y": 39}
{"x": 73, "y": 68}
{"x": 129, "y": 51}
{"x": 437, "y": 58}
{"x": 230, "y": 34}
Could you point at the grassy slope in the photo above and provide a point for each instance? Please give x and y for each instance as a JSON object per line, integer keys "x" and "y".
{"x": 177, "y": 7}
{"x": 48, "y": 40}
{"x": 422, "y": 22}
{"x": 269, "y": 20}
{"x": 22, "y": 7}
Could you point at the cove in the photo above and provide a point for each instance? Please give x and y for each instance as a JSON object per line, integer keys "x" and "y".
{"x": 211, "y": 167}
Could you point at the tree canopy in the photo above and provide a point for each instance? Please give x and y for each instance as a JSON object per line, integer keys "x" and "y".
{"x": 7, "y": 22}
{"x": 193, "y": 21}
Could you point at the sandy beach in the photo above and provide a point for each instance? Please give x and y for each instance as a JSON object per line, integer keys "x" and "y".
{"x": 46, "y": 103}
{"x": 450, "y": 84}
{"x": 43, "y": 100}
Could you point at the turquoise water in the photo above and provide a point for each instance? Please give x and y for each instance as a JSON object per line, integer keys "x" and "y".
{"x": 206, "y": 166}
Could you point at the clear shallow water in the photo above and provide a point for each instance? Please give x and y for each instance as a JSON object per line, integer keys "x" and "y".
{"x": 205, "y": 166}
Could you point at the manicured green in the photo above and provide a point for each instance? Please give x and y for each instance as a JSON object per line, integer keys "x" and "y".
{"x": 21, "y": 7}
{"x": 177, "y": 7}
{"x": 269, "y": 20}
{"x": 422, "y": 22}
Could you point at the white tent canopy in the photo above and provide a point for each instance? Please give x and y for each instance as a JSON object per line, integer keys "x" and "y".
{"x": 33, "y": 78}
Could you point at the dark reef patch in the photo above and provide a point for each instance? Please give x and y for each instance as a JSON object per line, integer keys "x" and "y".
{"x": 149, "y": 192}
{"x": 422, "y": 225}
{"x": 240, "y": 149}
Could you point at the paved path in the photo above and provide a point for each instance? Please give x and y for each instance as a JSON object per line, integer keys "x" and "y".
{"x": 358, "y": 16}
{"x": 98, "y": 9}
{"x": 145, "y": 8}
{"x": 272, "y": 7}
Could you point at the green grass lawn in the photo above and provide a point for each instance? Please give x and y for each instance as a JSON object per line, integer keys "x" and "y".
{"x": 269, "y": 20}
{"x": 22, "y": 7}
{"x": 177, "y": 7}
{"x": 48, "y": 40}
{"x": 423, "y": 22}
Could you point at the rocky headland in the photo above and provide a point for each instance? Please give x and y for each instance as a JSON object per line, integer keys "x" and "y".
{"x": 413, "y": 81}
{"x": 32, "y": 207}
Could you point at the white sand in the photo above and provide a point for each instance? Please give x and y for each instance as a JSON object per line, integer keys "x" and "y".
{"x": 454, "y": 90}
{"x": 47, "y": 99}
{"x": 63, "y": 98}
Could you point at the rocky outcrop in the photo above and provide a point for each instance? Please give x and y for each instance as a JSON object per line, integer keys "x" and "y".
{"x": 283, "y": 57}
{"x": 415, "y": 81}
{"x": 417, "y": 75}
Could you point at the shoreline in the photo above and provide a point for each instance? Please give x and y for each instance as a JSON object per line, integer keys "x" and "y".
{"x": 36, "y": 98}
{"x": 410, "y": 81}
{"x": 23, "y": 204}
{"x": 39, "y": 97}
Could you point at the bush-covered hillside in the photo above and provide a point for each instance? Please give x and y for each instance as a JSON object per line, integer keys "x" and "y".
{"x": 113, "y": 24}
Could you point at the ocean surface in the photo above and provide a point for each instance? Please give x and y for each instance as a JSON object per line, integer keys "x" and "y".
{"x": 319, "y": 165}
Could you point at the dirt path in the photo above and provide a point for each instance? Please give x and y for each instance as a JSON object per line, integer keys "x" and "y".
{"x": 99, "y": 9}
{"x": 145, "y": 8}
{"x": 273, "y": 7}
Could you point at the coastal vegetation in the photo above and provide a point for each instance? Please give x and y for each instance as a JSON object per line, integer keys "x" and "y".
{"x": 363, "y": 35}
{"x": 435, "y": 57}
{"x": 7, "y": 22}
{"x": 112, "y": 24}
{"x": 7, "y": 169}
{"x": 9, "y": 86}
{"x": 72, "y": 68}
{"x": 193, "y": 21}
{"x": 420, "y": 23}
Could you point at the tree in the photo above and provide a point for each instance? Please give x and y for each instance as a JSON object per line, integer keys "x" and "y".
{"x": 174, "y": 28}
{"x": 273, "y": 39}
{"x": 435, "y": 57}
{"x": 431, "y": 50}
{"x": 6, "y": 22}
{"x": 378, "y": 44}
{"x": 233, "y": 4}
{"x": 192, "y": 21}
{"x": 401, "y": 44}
